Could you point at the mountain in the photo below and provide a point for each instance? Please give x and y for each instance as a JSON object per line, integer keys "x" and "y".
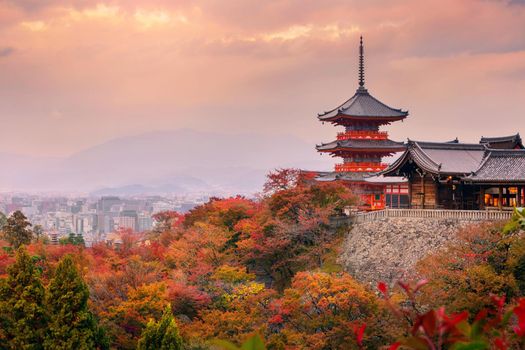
{"x": 177, "y": 161}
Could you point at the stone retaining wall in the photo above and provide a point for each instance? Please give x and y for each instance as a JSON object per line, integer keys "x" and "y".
{"x": 386, "y": 249}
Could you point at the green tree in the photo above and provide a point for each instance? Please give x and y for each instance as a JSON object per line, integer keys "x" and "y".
{"x": 71, "y": 324}
{"x": 162, "y": 335}
{"x": 17, "y": 230}
{"x": 3, "y": 220}
{"x": 22, "y": 313}
{"x": 75, "y": 239}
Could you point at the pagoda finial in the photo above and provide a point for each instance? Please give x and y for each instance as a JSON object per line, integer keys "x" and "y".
{"x": 361, "y": 64}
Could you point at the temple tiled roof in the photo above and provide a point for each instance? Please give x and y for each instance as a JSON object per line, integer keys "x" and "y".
{"x": 350, "y": 144}
{"x": 511, "y": 141}
{"x": 363, "y": 106}
{"x": 500, "y": 166}
{"x": 471, "y": 162}
{"x": 441, "y": 157}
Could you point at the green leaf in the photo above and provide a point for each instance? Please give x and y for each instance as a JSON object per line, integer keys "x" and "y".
{"x": 254, "y": 343}
{"x": 415, "y": 343}
{"x": 477, "y": 345}
{"x": 226, "y": 345}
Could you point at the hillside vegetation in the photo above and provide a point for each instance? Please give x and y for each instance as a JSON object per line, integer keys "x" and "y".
{"x": 235, "y": 267}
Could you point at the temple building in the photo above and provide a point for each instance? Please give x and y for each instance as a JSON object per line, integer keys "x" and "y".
{"x": 469, "y": 176}
{"x": 362, "y": 145}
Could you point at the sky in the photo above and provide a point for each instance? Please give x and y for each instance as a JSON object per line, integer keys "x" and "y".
{"x": 74, "y": 74}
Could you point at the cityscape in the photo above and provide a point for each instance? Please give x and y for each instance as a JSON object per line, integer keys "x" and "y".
{"x": 94, "y": 218}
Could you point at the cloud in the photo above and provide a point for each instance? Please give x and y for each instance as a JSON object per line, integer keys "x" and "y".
{"x": 34, "y": 26}
{"x": 116, "y": 67}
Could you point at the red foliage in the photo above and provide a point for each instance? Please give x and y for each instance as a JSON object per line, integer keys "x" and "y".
{"x": 186, "y": 299}
{"x": 281, "y": 179}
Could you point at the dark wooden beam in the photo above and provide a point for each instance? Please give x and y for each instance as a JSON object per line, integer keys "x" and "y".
{"x": 500, "y": 197}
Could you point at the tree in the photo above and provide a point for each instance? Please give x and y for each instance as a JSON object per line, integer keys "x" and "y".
{"x": 17, "y": 230}
{"x": 71, "y": 324}
{"x": 320, "y": 310}
{"x": 3, "y": 220}
{"x": 162, "y": 335}
{"x": 22, "y": 314}
{"x": 38, "y": 230}
{"x": 72, "y": 238}
{"x": 281, "y": 179}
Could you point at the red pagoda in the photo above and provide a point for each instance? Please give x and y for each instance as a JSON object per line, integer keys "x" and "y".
{"x": 362, "y": 145}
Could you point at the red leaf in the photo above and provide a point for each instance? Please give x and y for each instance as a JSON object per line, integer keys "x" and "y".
{"x": 498, "y": 301}
{"x": 429, "y": 323}
{"x": 405, "y": 286}
{"x": 359, "y": 333}
{"x": 500, "y": 344}
{"x": 481, "y": 315}
{"x": 382, "y": 288}
{"x": 420, "y": 284}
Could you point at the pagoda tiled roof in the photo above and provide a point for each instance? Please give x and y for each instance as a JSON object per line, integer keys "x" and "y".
{"x": 351, "y": 144}
{"x": 345, "y": 176}
{"x": 500, "y": 166}
{"x": 363, "y": 106}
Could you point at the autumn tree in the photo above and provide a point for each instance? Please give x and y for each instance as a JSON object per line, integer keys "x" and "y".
{"x": 17, "y": 230}
{"x": 130, "y": 316}
{"x": 320, "y": 310}
{"x": 280, "y": 180}
{"x": 293, "y": 232}
{"x": 481, "y": 262}
{"x": 162, "y": 335}
{"x": 22, "y": 313}
{"x": 71, "y": 324}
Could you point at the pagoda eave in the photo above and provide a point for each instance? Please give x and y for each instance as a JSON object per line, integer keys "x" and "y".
{"x": 343, "y": 119}
{"x": 362, "y": 150}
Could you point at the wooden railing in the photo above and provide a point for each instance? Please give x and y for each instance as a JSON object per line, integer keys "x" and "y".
{"x": 466, "y": 215}
{"x": 362, "y": 135}
{"x": 360, "y": 166}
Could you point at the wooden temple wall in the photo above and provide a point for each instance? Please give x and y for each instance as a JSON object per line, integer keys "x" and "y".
{"x": 422, "y": 192}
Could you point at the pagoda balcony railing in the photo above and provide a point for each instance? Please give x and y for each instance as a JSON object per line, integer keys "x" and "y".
{"x": 360, "y": 167}
{"x": 362, "y": 135}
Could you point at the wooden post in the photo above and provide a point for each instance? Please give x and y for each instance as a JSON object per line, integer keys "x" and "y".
{"x": 423, "y": 191}
{"x": 410, "y": 192}
{"x": 436, "y": 195}
{"x": 500, "y": 197}
{"x": 518, "y": 199}
{"x": 481, "y": 198}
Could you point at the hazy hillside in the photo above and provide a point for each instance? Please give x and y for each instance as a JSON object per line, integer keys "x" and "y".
{"x": 167, "y": 161}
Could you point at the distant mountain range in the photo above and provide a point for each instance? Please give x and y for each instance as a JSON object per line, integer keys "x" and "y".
{"x": 179, "y": 161}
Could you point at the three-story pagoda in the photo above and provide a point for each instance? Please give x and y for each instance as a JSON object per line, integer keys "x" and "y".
{"x": 362, "y": 144}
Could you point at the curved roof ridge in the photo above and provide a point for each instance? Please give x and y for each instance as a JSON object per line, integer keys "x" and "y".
{"x": 400, "y": 110}
{"x": 428, "y": 158}
{"x": 448, "y": 145}
{"x": 338, "y": 108}
{"x": 501, "y": 138}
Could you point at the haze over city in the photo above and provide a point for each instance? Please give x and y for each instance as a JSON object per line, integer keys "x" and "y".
{"x": 87, "y": 87}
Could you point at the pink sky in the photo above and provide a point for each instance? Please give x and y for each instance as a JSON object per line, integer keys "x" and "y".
{"x": 72, "y": 76}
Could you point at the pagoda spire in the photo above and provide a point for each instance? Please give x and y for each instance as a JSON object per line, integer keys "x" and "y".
{"x": 361, "y": 65}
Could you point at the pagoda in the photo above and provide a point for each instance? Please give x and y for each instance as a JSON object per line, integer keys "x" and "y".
{"x": 362, "y": 144}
